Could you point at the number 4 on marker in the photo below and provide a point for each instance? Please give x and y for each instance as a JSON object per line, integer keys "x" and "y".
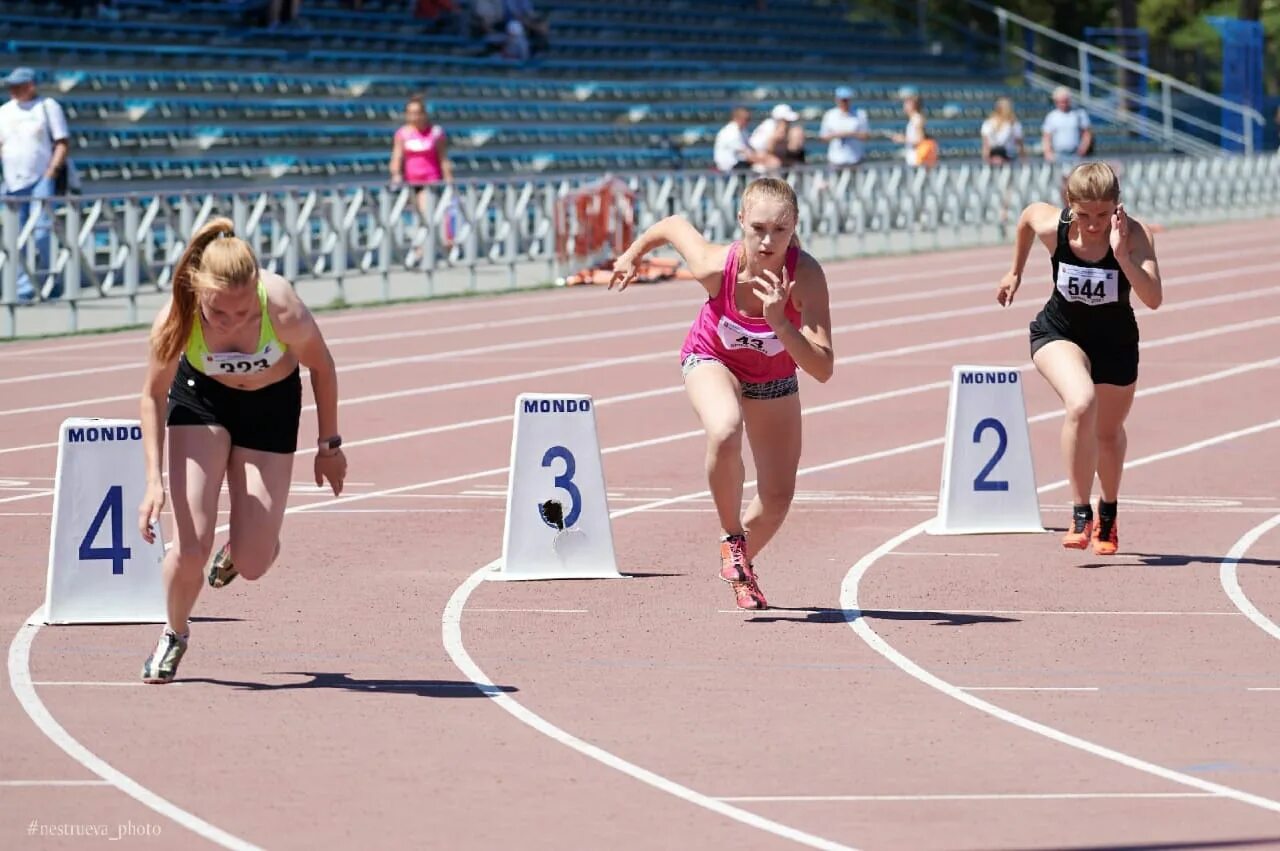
{"x": 117, "y": 553}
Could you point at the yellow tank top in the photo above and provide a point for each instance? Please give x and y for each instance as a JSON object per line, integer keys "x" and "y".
{"x": 270, "y": 349}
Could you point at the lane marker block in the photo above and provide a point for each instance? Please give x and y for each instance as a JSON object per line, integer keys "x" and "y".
{"x": 101, "y": 570}
{"x": 988, "y": 479}
{"x": 557, "y": 524}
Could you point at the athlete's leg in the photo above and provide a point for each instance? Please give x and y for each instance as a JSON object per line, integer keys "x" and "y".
{"x": 1113, "y": 408}
{"x": 714, "y": 392}
{"x": 197, "y": 464}
{"x": 773, "y": 430}
{"x": 259, "y": 485}
{"x": 1065, "y": 367}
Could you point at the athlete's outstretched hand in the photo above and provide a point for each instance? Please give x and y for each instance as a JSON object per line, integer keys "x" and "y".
{"x": 149, "y": 511}
{"x": 1119, "y": 231}
{"x": 773, "y": 292}
{"x": 624, "y": 272}
{"x": 1008, "y": 286}
{"x": 332, "y": 467}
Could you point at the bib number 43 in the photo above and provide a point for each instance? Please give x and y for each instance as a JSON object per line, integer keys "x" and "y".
{"x": 111, "y": 510}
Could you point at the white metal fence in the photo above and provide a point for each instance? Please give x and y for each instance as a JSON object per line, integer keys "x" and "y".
{"x": 122, "y": 246}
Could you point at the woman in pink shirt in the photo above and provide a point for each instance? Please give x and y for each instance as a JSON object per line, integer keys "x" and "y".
{"x": 767, "y": 313}
{"x": 419, "y": 154}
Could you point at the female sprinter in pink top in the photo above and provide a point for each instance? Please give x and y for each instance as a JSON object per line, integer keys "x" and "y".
{"x": 767, "y": 312}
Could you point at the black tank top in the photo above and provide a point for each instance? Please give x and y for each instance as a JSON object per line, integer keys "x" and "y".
{"x": 1089, "y": 300}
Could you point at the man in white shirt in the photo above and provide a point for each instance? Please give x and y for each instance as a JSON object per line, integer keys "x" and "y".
{"x": 845, "y": 132}
{"x": 732, "y": 150}
{"x": 1066, "y": 132}
{"x": 33, "y": 149}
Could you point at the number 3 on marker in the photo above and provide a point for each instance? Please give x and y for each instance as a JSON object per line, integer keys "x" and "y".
{"x": 564, "y": 481}
{"x": 982, "y": 483}
{"x": 117, "y": 553}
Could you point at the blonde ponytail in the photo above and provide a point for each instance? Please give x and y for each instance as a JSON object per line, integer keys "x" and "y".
{"x": 215, "y": 259}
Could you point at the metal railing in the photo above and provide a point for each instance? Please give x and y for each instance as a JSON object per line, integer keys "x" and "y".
{"x": 127, "y": 245}
{"x": 1164, "y": 112}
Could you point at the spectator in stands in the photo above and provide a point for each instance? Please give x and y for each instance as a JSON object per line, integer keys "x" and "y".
{"x": 733, "y": 151}
{"x": 914, "y": 135}
{"x": 1002, "y": 135}
{"x": 1066, "y": 135}
{"x": 33, "y": 151}
{"x": 844, "y": 131}
{"x": 770, "y": 137}
{"x": 419, "y": 156}
{"x": 535, "y": 26}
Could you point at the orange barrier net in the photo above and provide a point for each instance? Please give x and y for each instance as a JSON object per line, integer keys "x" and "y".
{"x": 594, "y": 224}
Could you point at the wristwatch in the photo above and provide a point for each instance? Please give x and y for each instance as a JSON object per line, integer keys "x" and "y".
{"x": 329, "y": 443}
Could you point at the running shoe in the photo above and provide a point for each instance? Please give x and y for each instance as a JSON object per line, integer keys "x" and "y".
{"x": 733, "y": 559}
{"x": 1077, "y": 537}
{"x": 162, "y": 664}
{"x": 221, "y": 570}
{"x": 1106, "y": 539}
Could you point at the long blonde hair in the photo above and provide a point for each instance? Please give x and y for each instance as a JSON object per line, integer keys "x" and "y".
{"x": 1093, "y": 181}
{"x": 215, "y": 259}
{"x": 1003, "y": 115}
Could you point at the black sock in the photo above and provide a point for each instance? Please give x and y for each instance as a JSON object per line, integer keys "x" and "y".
{"x": 1084, "y": 512}
{"x": 1107, "y": 510}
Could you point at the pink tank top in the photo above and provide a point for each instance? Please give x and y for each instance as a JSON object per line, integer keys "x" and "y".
{"x": 744, "y": 344}
{"x": 421, "y": 155}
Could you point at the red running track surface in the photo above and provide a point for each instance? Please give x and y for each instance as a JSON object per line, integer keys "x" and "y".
{"x": 906, "y": 691}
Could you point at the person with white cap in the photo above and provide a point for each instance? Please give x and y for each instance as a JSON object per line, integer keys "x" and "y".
{"x": 844, "y": 131}
{"x": 33, "y": 150}
{"x": 770, "y": 136}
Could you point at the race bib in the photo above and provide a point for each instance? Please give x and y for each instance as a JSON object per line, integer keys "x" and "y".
{"x": 236, "y": 363}
{"x": 1087, "y": 285}
{"x": 734, "y": 336}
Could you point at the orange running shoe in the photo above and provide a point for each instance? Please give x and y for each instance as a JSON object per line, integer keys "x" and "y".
{"x": 1105, "y": 538}
{"x": 734, "y": 566}
{"x": 1077, "y": 537}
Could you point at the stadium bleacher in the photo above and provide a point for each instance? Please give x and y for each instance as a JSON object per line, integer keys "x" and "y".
{"x": 195, "y": 93}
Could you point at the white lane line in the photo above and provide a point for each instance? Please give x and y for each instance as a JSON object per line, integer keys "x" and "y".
{"x": 451, "y": 631}
{"x": 1230, "y": 580}
{"x": 860, "y": 625}
{"x": 1264, "y": 688}
{"x": 991, "y": 796}
{"x": 947, "y": 555}
{"x": 1061, "y": 612}
{"x": 24, "y": 690}
{"x": 533, "y": 611}
{"x": 910, "y": 319}
{"x": 15, "y": 783}
{"x": 1027, "y": 688}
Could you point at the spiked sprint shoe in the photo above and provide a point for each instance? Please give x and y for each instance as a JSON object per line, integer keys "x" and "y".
{"x": 162, "y": 665}
{"x": 221, "y": 570}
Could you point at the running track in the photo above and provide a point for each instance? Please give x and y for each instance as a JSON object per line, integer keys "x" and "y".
{"x": 907, "y": 691}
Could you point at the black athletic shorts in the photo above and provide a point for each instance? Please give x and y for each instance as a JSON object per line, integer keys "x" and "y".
{"x": 1111, "y": 361}
{"x": 265, "y": 419}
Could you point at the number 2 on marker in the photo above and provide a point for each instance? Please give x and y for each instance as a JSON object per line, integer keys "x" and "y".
{"x": 982, "y": 483}
{"x": 564, "y": 481}
{"x": 117, "y": 553}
